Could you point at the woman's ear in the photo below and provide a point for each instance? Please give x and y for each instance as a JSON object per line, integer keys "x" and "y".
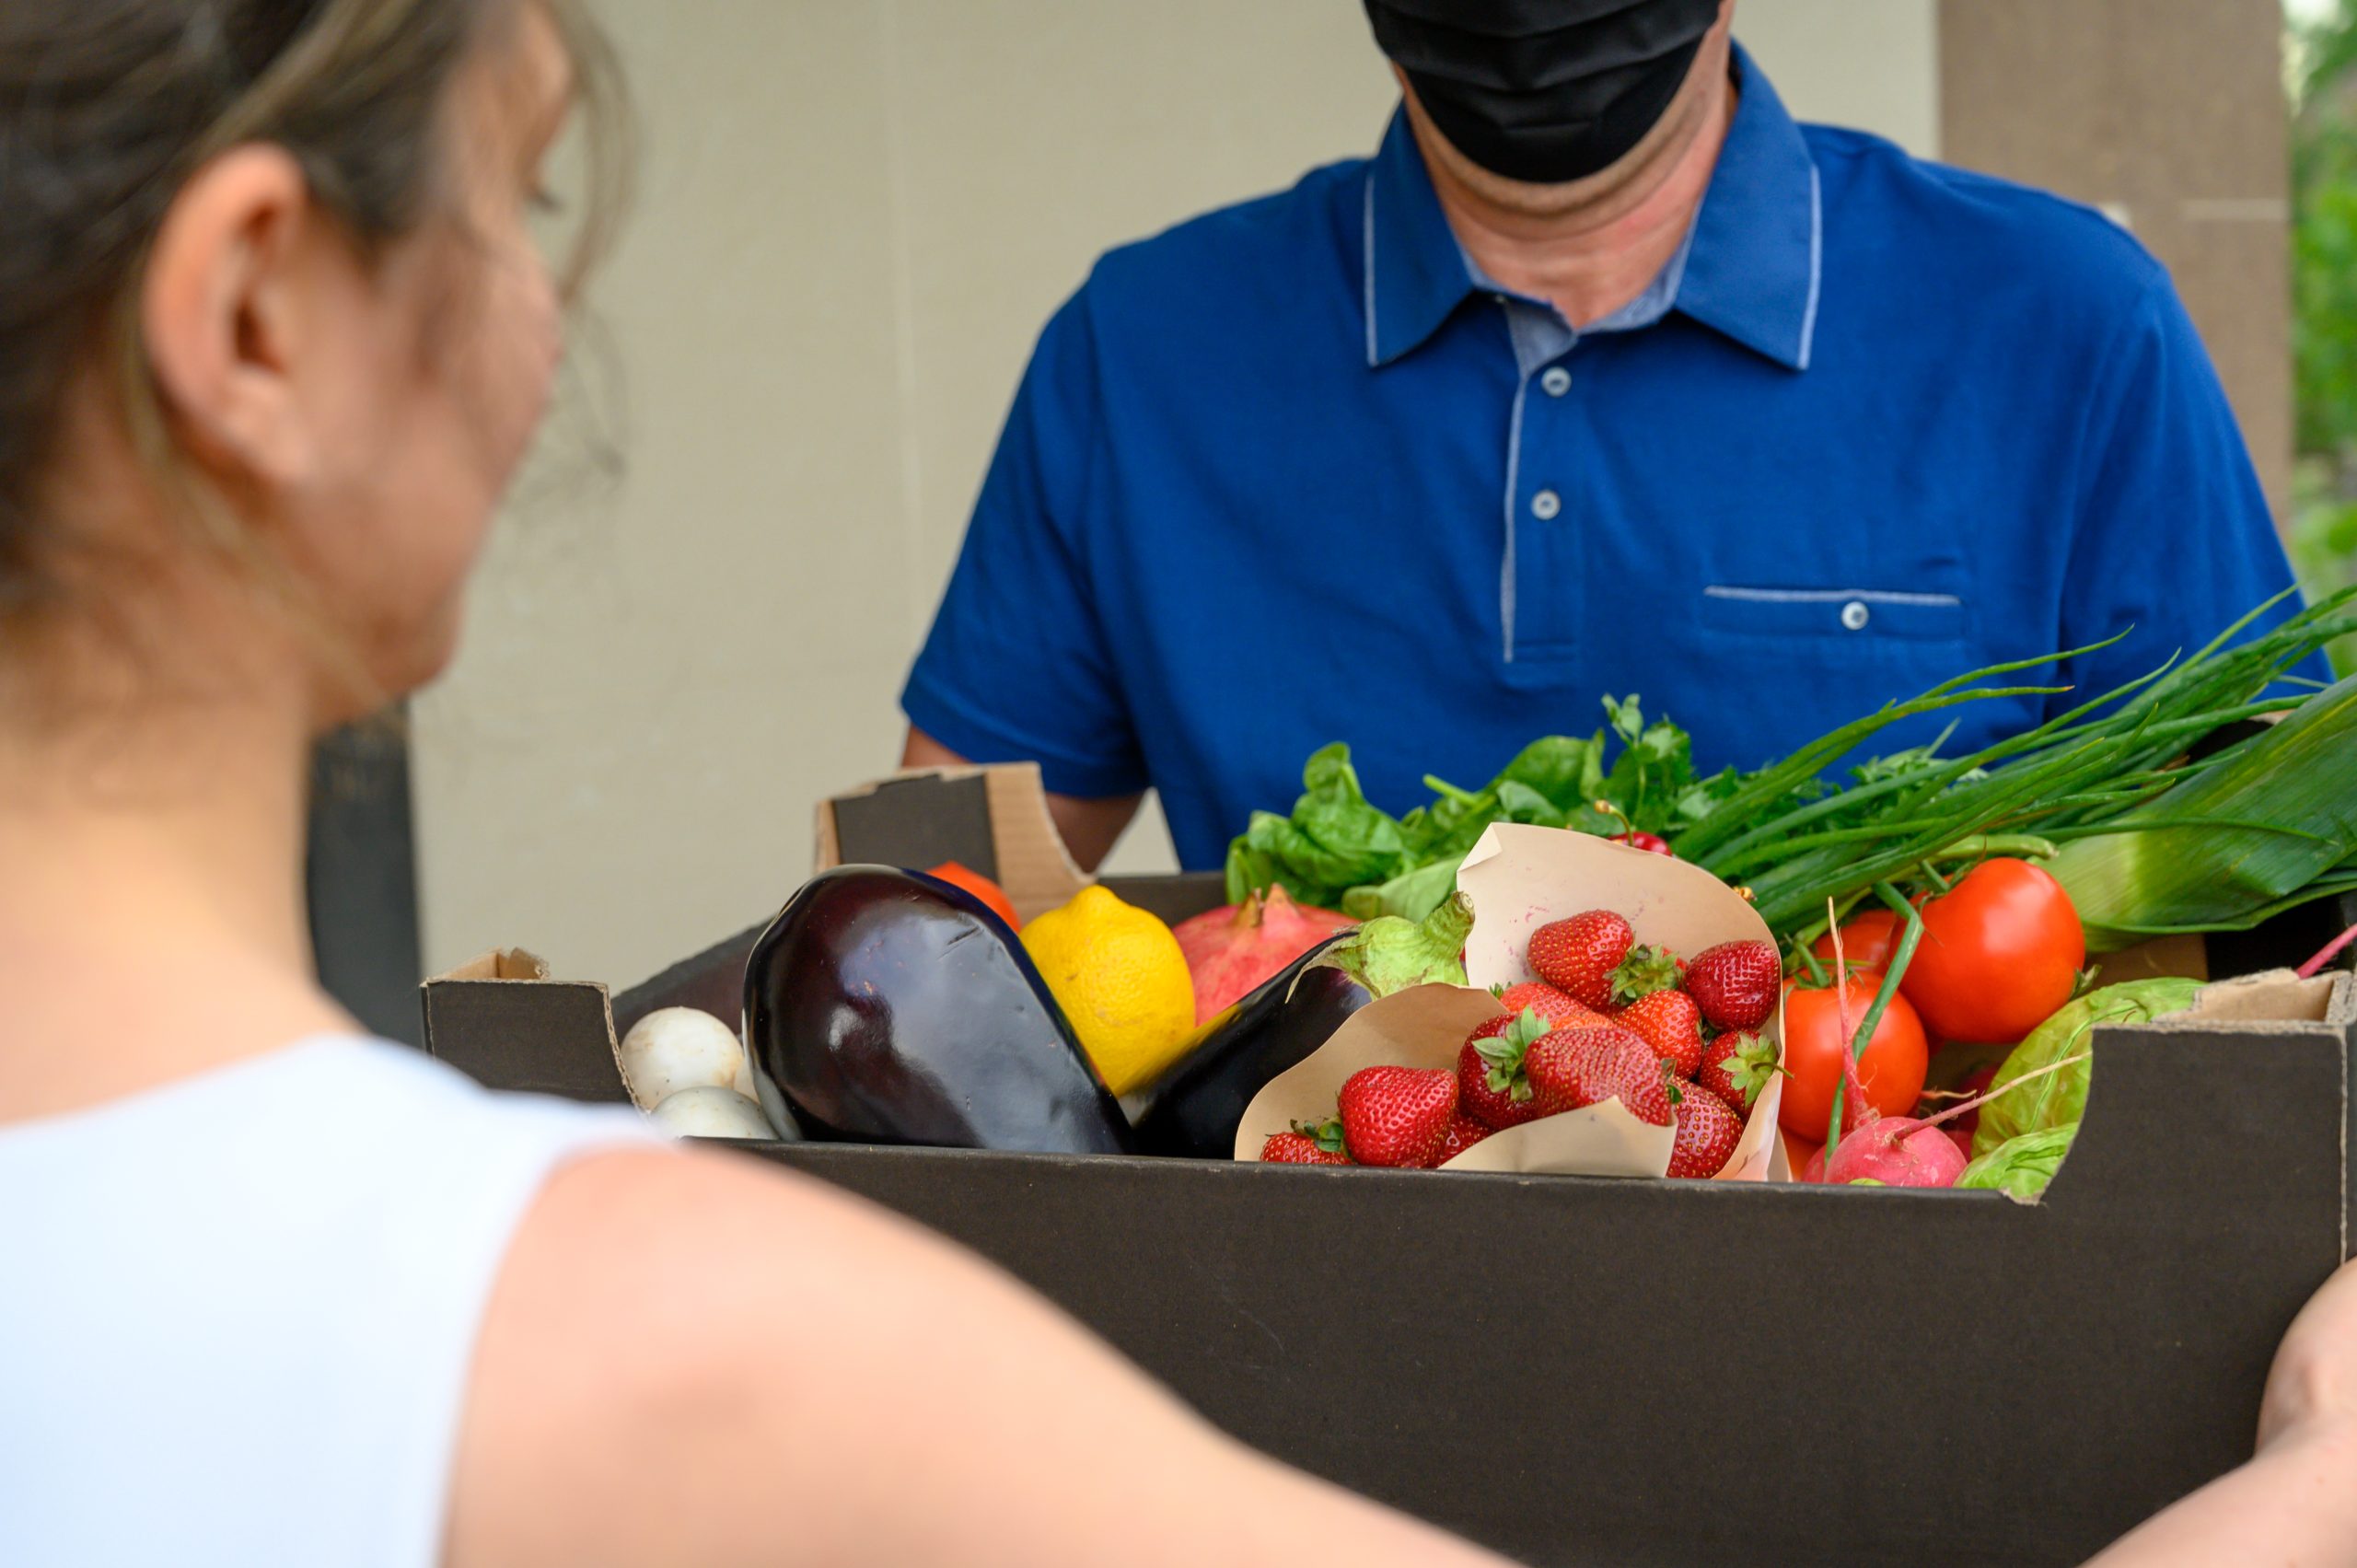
{"x": 222, "y": 316}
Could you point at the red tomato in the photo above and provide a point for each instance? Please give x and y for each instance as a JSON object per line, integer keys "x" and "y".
{"x": 2001, "y": 953}
{"x": 1868, "y": 940}
{"x": 1891, "y": 1069}
{"x": 993, "y": 897}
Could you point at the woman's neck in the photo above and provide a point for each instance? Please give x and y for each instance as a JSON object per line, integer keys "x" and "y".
{"x": 1592, "y": 247}
{"x": 152, "y": 915}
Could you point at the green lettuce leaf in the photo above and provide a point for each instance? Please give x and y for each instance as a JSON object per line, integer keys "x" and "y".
{"x": 1388, "y": 954}
{"x": 2024, "y": 1165}
{"x": 2058, "y": 1099}
{"x": 1410, "y": 897}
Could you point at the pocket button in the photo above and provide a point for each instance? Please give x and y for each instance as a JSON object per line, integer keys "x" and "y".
{"x": 1854, "y": 615}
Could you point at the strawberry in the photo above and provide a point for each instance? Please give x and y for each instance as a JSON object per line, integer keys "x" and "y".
{"x": 1556, "y": 1010}
{"x": 1707, "y": 1134}
{"x": 1491, "y": 1087}
{"x": 1671, "y": 1024}
{"x": 1735, "y": 983}
{"x": 1578, "y": 955}
{"x": 1463, "y": 1134}
{"x": 1571, "y": 1069}
{"x": 1307, "y": 1143}
{"x": 1735, "y": 1067}
{"x": 1396, "y": 1116}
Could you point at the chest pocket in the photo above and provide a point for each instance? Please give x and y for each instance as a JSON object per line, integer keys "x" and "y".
{"x": 1862, "y": 616}
{"x": 1832, "y": 655}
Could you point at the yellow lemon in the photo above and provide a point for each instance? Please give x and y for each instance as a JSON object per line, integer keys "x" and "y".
{"x": 1121, "y": 978}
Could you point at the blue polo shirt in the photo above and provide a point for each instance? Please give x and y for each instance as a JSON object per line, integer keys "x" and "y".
{"x": 1291, "y": 473}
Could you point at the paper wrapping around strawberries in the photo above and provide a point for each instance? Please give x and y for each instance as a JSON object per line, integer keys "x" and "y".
{"x": 1519, "y": 878}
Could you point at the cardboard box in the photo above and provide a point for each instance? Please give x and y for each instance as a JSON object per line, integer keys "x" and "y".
{"x": 1579, "y": 1370}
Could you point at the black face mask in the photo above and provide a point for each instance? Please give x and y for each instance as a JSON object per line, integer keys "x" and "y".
{"x": 1544, "y": 90}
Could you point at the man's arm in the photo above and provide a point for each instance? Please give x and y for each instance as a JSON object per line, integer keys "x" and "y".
{"x": 2173, "y": 536}
{"x": 1090, "y": 828}
{"x": 2295, "y": 1503}
{"x": 1017, "y": 666}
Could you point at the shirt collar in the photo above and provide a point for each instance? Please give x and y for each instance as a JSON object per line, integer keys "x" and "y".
{"x": 1752, "y": 264}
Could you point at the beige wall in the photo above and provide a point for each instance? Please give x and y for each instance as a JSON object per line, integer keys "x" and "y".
{"x": 856, "y": 215}
{"x": 2169, "y": 114}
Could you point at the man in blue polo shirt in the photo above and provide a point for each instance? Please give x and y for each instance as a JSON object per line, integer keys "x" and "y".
{"x": 1602, "y": 376}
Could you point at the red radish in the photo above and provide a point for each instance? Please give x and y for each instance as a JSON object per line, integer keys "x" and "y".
{"x": 1907, "y": 1151}
{"x": 1898, "y": 1151}
{"x": 2332, "y": 950}
{"x": 1230, "y": 951}
{"x": 1652, "y": 843}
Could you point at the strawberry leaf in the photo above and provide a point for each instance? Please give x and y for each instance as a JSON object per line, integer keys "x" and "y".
{"x": 1643, "y": 972}
{"x": 1505, "y": 1053}
{"x": 1326, "y": 1134}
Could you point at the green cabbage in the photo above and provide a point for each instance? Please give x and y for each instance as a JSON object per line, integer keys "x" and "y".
{"x": 2058, "y": 1099}
{"x": 2022, "y": 1166}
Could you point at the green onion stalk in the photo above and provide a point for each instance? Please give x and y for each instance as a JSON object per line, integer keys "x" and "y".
{"x": 2113, "y": 770}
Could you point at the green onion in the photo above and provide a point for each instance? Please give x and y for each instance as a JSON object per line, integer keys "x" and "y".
{"x": 2092, "y": 767}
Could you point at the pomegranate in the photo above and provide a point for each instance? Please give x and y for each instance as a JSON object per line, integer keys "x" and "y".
{"x": 1231, "y": 950}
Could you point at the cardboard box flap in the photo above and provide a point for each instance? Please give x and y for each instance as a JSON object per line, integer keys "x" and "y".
{"x": 993, "y": 820}
{"x": 506, "y": 963}
{"x": 917, "y": 821}
{"x": 2274, "y": 998}
{"x": 502, "y": 1021}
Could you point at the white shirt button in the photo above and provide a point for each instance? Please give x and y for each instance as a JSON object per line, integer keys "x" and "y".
{"x": 1546, "y": 504}
{"x": 1556, "y": 382}
{"x": 1854, "y": 615}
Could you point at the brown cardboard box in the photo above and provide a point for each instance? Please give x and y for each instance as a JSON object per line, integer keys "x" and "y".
{"x": 1582, "y": 1370}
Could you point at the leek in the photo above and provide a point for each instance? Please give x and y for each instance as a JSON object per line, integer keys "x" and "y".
{"x": 2271, "y": 827}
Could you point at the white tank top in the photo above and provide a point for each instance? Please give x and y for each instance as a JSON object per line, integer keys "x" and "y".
{"x": 236, "y": 1312}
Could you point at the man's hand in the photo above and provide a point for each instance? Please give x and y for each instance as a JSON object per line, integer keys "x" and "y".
{"x": 1090, "y": 828}
{"x": 2293, "y": 1503}
{"x": 2313, "y": 1387}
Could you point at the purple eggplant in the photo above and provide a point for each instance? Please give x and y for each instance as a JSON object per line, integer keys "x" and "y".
{"x": 887, "y": 1008}
{"x": 1195, "y": 1111}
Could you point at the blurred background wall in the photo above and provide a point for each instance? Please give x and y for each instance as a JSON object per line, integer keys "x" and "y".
{"x": 856, "y": 215}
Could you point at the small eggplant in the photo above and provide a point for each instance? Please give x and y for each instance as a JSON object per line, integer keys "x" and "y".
{"x": 1195, "y": 1111}
{"x": 890, "y": 1007}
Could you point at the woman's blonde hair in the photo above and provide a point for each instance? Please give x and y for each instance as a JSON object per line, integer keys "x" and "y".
{"x": 108, "y": 107}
